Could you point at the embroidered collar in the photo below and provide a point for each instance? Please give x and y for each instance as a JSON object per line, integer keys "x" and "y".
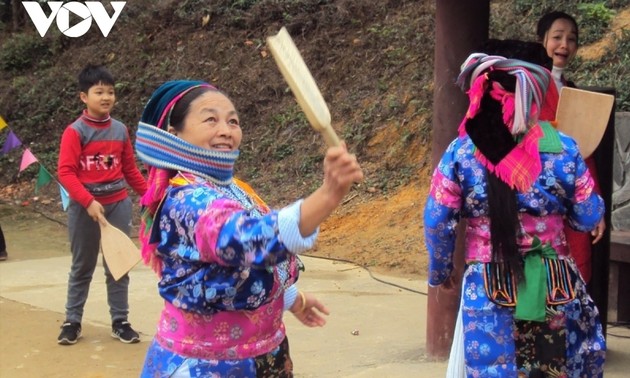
{"x": 550, "y": 141}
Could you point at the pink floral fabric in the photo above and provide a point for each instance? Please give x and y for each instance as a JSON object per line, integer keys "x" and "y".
{"x": 547, "y": 228}
{"x": 445, "y": 191}
{"x": 224, "y": 335}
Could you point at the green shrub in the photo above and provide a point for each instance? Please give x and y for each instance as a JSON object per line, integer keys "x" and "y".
{"x": 22, "y": 51}
{"x": 594, "y": 20}
{"x": 612, "y": 70}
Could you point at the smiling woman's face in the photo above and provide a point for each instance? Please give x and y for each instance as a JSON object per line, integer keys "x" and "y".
{"x": 212, "y": 123}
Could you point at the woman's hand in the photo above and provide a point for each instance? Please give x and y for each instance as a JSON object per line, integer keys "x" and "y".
{"x": 308, "y": 310}
{"x": 341, "y": 171}
{"x": 598, "y": 232}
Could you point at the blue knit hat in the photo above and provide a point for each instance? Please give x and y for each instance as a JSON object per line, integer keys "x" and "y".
{"x": 164, "y": 99}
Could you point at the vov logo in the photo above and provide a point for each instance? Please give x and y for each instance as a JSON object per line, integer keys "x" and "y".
{"x": 61, "y": 13}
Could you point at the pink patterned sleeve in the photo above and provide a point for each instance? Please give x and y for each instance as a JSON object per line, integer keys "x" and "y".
{"x": 445, "y": 191}
{"x": 209, "y": 227}
{"x": 584, "y": 187}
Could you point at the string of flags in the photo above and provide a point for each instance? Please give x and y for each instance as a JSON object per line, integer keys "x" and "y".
{"x": 44, "y": 177}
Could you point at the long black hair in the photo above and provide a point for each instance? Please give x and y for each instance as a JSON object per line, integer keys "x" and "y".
{"x": 490, "y": 135}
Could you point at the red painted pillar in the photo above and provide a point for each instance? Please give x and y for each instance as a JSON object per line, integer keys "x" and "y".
{"x": 461, "y": 25}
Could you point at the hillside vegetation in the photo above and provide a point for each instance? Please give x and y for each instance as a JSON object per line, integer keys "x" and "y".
{"x": 373, "y": 61}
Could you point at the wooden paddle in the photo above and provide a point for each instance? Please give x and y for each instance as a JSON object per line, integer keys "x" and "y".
{"x": 120, "y": 253}
{"x": 584, "y": 116}
{"x": 302, "y": 84}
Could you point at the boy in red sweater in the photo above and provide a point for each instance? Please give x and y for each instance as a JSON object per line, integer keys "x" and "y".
{"x": 96, "y": 163}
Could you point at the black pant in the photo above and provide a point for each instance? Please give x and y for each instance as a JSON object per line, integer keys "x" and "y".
{"x": 3, "y": 244}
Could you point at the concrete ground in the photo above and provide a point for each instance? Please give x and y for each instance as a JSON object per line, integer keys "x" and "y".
{"x": 374, "y": 329}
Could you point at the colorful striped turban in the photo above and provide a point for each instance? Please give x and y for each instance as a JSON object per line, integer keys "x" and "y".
{"x": 532, "y": 82}
{"x": 520, "y": 165}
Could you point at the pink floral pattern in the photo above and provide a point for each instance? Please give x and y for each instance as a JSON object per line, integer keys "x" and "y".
{"x": 224, "y": 335}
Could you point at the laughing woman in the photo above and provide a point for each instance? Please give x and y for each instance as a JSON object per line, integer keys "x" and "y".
{"x": 227, "y": 263}
{"x": 558, "y": 32}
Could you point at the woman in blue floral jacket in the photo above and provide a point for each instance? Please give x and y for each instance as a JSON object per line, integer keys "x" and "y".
{"x": 524, "y": 308}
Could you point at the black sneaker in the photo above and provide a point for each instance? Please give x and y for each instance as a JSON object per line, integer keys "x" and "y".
{"x": 121, "y": 330}
{"x": 70, "y": 333}
{"x": 4, "y": 255}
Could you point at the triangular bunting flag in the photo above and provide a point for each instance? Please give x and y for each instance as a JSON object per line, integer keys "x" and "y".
{"x": 65, "y": 198}
{"x": 43, "y": 178}
{"x": 27, "y": 159}
{"x": 11, "y": 143}
{"x": 3, "y": 123}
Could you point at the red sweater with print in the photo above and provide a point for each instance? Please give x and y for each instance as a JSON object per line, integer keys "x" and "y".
{"x": 96, "y": 161}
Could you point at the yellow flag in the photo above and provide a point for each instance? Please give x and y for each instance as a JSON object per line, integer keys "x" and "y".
{"x": 3, "y": 124}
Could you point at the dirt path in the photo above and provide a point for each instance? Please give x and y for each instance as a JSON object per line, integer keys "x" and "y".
{"x": 28, "y": 346}
{"x": 36, "y": 230}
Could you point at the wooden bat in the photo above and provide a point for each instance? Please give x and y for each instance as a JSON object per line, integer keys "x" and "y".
{"x": 302, "y": 84}
{"x": 584, "y": 116}
{"x": 120, "y": 253}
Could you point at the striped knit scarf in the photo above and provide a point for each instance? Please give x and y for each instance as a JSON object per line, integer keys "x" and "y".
{"x": 521, "y": 167}
{"x": 161, "y": 149}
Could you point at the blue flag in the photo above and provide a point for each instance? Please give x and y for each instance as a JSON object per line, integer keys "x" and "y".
{"x": 65, "y": 198}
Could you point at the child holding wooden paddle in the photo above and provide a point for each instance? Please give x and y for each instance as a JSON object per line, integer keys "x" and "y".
{"x": 95, "y": 165}
{"x": 227, "y": 262}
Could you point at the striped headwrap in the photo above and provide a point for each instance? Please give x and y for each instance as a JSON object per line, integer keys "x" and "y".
{"x": 521, "y": 109}
{"x": 532, "y": 82}
{"x": 164, "y": 154}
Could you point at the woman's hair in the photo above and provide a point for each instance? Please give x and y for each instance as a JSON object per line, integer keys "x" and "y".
{"x": 180, "y": 110}
{"x": 545, "y": 22}
{"x": 506, "y": 96}
{"x": 488, "y": 132}
{"x": 157, "y": 111}
{"x": 532, "y": 52}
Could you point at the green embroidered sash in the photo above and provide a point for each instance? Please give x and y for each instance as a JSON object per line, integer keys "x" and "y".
{"x": 549, "y": 281}
{"x": 532, "y": 292}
